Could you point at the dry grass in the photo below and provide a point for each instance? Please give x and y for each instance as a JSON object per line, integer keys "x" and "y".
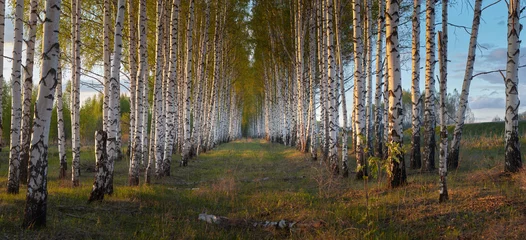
{"x": 252, "y": 180}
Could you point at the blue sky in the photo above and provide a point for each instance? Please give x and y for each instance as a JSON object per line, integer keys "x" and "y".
{"x": 487, "y": 96}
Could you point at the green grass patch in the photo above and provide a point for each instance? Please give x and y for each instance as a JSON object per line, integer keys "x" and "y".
{"x": 257, "y": 180}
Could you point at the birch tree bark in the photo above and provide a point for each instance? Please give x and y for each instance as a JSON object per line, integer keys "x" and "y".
{"x": 396, "y": 156}
{"x": 429, "y": 112}
{"x": 157, "y": 125}
{"x": 312, "y": 66}
{"x": 170, "y": 102}
{"x": 60, "y": 126}
{"x": 188, "y": 86}
{"x": 464, "y": 95}
{"x": 345, "y": 167}
{"x": 114, "y": 99}
{"x": 368, "y": 75}
{"x": 333, "y": 91}
{"x": 101, "y": 167}
{"x": 442, "y": 166}
{"x": 13, "y": 180}
{"x": 27, "y": 91}
{"x": 359, "y": 96}
{"x": 136, "y": 159}
{"x": 36, "y": 200}
{"x": 201, "y": 79}
{"x": 132, "y": 49}
{"x": 106, "y": 64}
{"x": 416, "y": 100}
{"x": 513, "y": 159}
{"x": 75, "y": 94}
{"x": 379, "y": 82}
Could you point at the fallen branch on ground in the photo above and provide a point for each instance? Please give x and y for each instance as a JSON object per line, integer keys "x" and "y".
{"x": 281, "y": 224}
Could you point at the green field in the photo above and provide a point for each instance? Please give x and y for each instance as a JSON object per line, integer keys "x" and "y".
{"x": 253, "y": 180}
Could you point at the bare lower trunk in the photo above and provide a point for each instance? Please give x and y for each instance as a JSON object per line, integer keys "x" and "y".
{"x": 359, "y": 96}
{"x": 60, "y": 127}
{"x": 442, "y": 165}
{"x": 513, "y": 157}
{"x": 397, "y": 164}
{"x": 416, "y": 158}
{"x": 36, "y": 200}
{"x": 101, "y": 167}
{"x": 75, "y": 94}
{"x": 25, "y": 140}
{"x": 430, "y": 116}
{"x": 379, "y": 80}
{"x": 16, "y": 110}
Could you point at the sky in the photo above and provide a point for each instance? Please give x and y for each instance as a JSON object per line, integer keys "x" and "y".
{"x": 487, "y": 92}
{"x": 487, "y": 95}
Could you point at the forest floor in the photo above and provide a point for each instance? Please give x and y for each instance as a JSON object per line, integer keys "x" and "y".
{"x": 252, "y": 180}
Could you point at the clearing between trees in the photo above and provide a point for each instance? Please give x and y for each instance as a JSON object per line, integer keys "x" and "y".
{"x": 252, "y": 181}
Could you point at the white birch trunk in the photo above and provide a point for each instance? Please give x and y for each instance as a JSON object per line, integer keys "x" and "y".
{"x": 464, "y": 95}
{"x": 157, "y": 125}
{"x": 397, "y": 163}
{"x": 60, "y": 126}
{"x": 132, "y": 50}
{"x": 379, "y": 82}
{"x": 416, "y": 100}
{"x": 513, "y": 158}
{"x": 359, "y": 96}
{"x": 106, "y": 64}
{"x": 27, "y": 90}
{"x": 114, "y": 99}
{"x": 442, "y": 163}
{"x": 75, "y": 94}
{"x": 101, "y": 167}
{"x": 136, "y": 159}
{"x": 36, "y": 198}
{"x": 368, "y": 74}
{"x": 187, "y": 143}
{"x": 170, "y": 102}
{"x": 16, "y": 106}
{"x": 429, "y": 111}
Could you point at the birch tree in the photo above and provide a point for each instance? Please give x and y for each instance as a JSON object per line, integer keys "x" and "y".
{"x": 429, "y": 112}
{"x": 443, "y": 126}
{"x": 114, "y": 99}
{"x": 170, "y": 102}
{"x": 13, "y": 180}
{"x": 513, "y": 161}
{"x": 187, "y": 87}
{"x": 312, "y": 64}
{"x": 27, "y": 91}
{"x": 132, "y": 50}
{"x": 60, "y": 126}
{"x": 464, "y": 95}
{"x": 333, "y": 91}
{"x": 36, "y": 200}
{"x": 416, "y": 100}
{"x": 106, "y": 63}
{"x": 75, "y": 93}
{"x": 157, "y": 101}
{"x": 101, "y": 167}
{"x": 136, "y": 159}
{"x": 396, "y": 156}
{"x": 359, "y": 96}
{"x": 379, "y": 75}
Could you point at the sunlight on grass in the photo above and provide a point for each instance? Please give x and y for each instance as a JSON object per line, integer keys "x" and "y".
{"x": 252, "y": 179}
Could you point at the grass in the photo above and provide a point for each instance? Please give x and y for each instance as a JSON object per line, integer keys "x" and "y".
{"x": 256, "y": 180}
